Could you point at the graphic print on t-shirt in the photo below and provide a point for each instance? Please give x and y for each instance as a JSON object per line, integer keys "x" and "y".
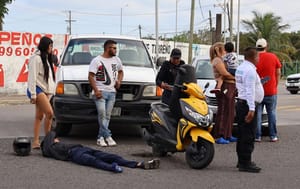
{"x": 102, "y": 75}
{"x": 114, "y": 71}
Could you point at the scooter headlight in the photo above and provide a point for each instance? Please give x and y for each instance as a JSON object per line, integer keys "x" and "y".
{"x": 201, "y": 120}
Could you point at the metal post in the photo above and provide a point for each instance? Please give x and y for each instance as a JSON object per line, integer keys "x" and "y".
{"x": 176, "y": 23}
{"x": 231, "y": 20}
{"x": 238, "y": 31}
{"x": 121, "y": 21}
{"x": 191, "y": 32}
{"x": 156, "y": 29}
{"x": 224, "y": 31}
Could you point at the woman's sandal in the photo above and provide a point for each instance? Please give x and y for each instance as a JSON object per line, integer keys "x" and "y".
{"x": 36, "y": 146}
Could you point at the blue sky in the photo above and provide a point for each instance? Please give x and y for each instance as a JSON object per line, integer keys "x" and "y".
{"x": 102, "y": 16}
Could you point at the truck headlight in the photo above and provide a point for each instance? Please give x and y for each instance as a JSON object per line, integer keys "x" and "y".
{"x": 66, "y": 89}
{"x": 149, "y": 91}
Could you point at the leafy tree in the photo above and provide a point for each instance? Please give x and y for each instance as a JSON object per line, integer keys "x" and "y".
{"x": 3, "y": 11}
{"x": 295, "y": 41}
{"x": 268, "y": 26}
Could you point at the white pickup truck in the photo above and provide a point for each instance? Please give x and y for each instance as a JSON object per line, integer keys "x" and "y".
{"x": 72, "y": 102}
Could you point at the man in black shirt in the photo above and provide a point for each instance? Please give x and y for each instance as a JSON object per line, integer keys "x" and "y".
{"x": 167, "y": 74}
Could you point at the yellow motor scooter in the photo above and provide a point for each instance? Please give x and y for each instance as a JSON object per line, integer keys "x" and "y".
{"x": 185, "y": 126}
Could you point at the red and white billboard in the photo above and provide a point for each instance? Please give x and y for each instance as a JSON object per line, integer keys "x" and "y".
{"x": 15, "y": 50}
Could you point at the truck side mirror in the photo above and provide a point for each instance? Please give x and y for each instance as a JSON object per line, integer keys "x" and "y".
{"x": 160, "y": 61}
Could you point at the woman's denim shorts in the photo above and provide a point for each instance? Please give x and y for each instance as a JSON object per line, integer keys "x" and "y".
{"x": 38, "y": 90}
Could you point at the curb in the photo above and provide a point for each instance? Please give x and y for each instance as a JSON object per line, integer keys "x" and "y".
{"x": 14, "y": 100}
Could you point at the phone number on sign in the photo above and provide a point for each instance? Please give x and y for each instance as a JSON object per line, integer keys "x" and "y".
{"x": 19, "y": 51}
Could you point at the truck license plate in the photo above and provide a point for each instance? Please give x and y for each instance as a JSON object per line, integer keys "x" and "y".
{"x": 116, "y": 111}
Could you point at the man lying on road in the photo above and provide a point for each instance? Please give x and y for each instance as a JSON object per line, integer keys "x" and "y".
{"x": 77, "y": 153}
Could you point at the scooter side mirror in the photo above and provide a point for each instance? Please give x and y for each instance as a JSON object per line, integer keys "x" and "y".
{"x": 205, "y": 87}
{"x": 160, "y": 61}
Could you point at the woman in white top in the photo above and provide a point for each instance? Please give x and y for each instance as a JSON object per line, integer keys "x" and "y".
{"x": 41, "y": 85}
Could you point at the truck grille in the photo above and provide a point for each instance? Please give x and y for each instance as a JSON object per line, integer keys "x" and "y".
{"x": 293, "y": 80}
{"x": 127, "y": 92}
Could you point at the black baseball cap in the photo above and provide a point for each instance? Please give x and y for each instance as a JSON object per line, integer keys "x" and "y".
{"x": 176, "y": 53}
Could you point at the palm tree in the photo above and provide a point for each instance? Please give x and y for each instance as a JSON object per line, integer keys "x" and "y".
{"x": 268, "y": 26}
{"x": 3, "y": 11}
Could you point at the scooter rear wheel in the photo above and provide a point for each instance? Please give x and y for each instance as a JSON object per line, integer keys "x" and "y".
{"x": 199, "y": 155}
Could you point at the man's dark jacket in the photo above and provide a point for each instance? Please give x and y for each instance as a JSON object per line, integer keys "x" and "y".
{"x": 57, "y": 150}
{"x": 168, "y": 72}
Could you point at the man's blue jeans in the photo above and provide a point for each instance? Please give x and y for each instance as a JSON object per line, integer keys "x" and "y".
{"x": 270, "y": 102}
{"x": 104, "y": 107}
{"x": 98, "y": 159}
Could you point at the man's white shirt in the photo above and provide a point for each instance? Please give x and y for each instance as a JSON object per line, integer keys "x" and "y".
{"x": 248, "y": 84}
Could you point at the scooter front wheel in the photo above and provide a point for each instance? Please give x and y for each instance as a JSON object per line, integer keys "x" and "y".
{"x": 199, "y": 155}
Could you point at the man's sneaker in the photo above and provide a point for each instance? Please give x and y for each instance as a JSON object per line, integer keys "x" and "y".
{"x": 258, "y": 139}
{"x": 116, "y": 168}
{"x": 222, "y": 141}
{"x": 274, "y": 139}
{"x": 152, "y": 164}
{"x": 110, "y": 141}
{"x": 101, "y": 142}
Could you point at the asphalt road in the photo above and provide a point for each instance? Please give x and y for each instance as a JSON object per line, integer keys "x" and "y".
{"x": 280, "y": 161}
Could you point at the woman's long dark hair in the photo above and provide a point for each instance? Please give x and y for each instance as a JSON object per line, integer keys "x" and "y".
{"x": 43, "y": 47}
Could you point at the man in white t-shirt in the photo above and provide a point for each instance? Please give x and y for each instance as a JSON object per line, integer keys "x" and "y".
{"x": 105, "y": 76}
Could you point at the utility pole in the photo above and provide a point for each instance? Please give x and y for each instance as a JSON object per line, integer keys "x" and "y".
{"x": 156, "y": 30}
{"x": 218, "y": 27}
{"x": 69, "y": 21}
{"x": 140, "y": 31}
{"x": 231, "y": 20}
{"x": 238, "y": 30}
{"x": 211, "y": 29}
{"x": 191, "y": 32}
{"x": 176, "y": 20}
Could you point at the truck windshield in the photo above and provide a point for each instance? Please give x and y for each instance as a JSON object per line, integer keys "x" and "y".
{"x": 82, "y": 51}
{"x": 204, "y": 69}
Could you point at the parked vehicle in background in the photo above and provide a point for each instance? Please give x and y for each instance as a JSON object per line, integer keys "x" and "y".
{"x": 72, "y": 102}
{"x": 292, "y": 83}
{"x": 204, "y": 74}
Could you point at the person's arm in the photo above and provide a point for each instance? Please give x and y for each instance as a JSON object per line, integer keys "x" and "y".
{"x": 160, "y": 77}
{"x": 120, "y": 78}
{"x": 32, "y": 77}
{"x": 250, "y": 92}
{"x": 92, "y": 82}
{"x": 278, "y": 74}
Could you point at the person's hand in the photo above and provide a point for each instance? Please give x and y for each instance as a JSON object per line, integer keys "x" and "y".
{"x": 118, "y": 84}
{"x": 249, "y": 117}
{"x": 165, "y": 86}
{"x": 98, "y": 94}
{"x": 33, "y": 100}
